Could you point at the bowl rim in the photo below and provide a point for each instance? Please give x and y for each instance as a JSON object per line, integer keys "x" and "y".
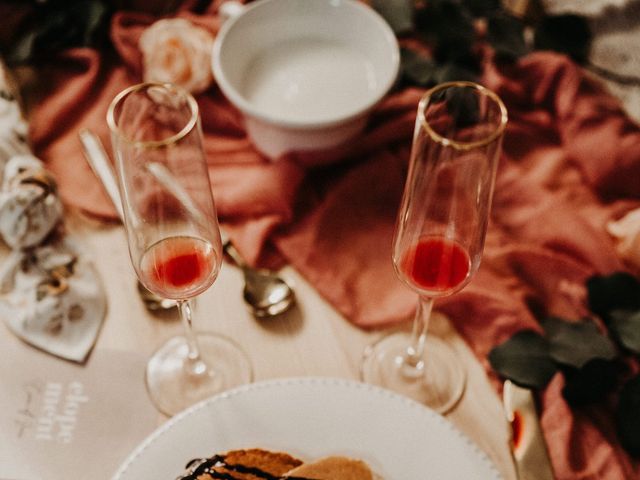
{"x": 237, "y": 99}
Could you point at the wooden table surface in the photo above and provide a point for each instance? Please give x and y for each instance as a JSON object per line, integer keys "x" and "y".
{"x": 310, "y": 340}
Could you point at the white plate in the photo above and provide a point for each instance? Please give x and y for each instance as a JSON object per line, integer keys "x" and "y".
{"x": 310, "y": 418}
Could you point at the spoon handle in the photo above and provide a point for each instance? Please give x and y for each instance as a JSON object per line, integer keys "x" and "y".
{"x": 232, "y": 252}
{"x": 99, "y": 161}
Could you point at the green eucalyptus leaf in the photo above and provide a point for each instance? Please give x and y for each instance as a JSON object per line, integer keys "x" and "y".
{"x": 482, "y": 8}
{"x": 625, "y": 326}
{"x": 458, "y": 51}
{"x": 57, "y": 25}
{"x": 444, "y": 22}
{"x": 449, "y": 72}
{"x": 416, "y": 68}
{"x": 95, "y": 14}
{"x": 590, "y": 383}
{"x": 57, "y": 29}
{"x": 569, "y": 34}
{"x": 23, "y": 48}
{"x": 618, "y": 291}
{"x": 397, "y": 13}
{"x": 576, "y": 343}
{"x": 462, "y": 106}
{"x": 524, "y": 359}
{"x": 628, "y": 416}
{"x": 505, "y": 34}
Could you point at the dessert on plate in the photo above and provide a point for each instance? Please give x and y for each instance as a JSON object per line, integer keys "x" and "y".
{"x": 260, "y": 464}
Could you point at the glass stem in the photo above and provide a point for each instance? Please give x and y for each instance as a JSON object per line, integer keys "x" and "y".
{"x": 415, "y": 351}
{"x": 194, "y": 364}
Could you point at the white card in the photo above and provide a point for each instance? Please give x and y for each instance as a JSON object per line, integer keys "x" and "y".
{"x": 60, "y": 420}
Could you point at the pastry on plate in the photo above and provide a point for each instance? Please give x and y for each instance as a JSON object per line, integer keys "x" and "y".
{"x": 333, "y": 468}
{"x": 260, "y": 464}
{"x": 250, "y": 464}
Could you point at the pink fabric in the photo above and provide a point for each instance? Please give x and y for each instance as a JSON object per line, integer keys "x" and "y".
{"x": 571, "y": 162}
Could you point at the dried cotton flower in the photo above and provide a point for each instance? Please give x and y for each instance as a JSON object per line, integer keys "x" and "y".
{"x": 177, "y": 51}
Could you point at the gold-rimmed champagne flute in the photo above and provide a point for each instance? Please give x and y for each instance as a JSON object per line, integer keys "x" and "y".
{"x": 439, "y": 235}
{"x": 173, "y": 236}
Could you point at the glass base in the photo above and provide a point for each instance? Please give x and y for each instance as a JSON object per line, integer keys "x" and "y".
{"x": 174, "y": 384}
{"x": 438, "y": 381}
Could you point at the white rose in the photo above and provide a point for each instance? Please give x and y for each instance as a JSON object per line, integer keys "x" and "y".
{"x": 177, "y": 51}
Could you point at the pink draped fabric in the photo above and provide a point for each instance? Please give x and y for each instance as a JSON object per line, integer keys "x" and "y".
{"x": 571, "y": 163}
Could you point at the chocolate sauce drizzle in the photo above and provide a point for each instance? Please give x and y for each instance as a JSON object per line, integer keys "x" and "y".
{"x": 201, "y": 466}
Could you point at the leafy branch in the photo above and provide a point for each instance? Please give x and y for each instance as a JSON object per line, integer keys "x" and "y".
{"x": 49, "y": 26}
{"x": 593, "y": 358}
{"x": 453, "y": 29}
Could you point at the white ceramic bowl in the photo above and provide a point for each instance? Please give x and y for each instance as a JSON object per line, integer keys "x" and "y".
{"x": 305, "y": 73}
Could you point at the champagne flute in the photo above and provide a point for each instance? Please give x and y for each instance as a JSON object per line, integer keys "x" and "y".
{"x": 173, "y": 236}
{"x": 439, "y": 235}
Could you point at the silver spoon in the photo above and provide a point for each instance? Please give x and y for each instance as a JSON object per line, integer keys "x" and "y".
{"x": 264, "y": 292}
{"x": 153, "y": 302}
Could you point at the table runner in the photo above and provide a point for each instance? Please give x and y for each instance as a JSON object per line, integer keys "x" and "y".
{"x": 571, "y": 163}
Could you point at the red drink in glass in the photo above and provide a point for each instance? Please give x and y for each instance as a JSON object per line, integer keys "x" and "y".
{"x": 173, "y": 235}
{"x": 439, "y": 235}
{"x": 436, "y": 264}
{"x": 179, "y": 267}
